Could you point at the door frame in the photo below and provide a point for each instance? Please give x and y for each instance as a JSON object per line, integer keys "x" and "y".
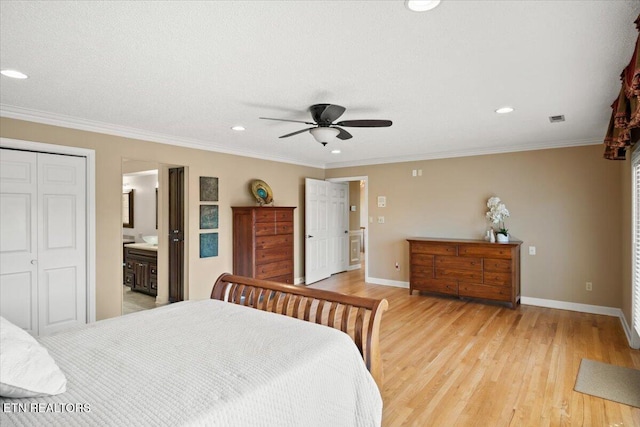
{"x": 366, "y": 208}
{"x": 90, "y": 156}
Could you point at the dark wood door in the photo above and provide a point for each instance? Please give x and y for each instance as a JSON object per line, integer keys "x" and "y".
{"x": 176, "y": 234}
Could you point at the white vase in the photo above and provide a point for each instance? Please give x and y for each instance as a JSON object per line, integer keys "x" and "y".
{"x": 502, "y": 238}
{"x": 492, "y": 237}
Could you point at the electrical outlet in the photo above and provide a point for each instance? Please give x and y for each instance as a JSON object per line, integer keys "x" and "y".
{"x": 414, "y": 173}
{"x": 589, "y": 286}
{"x": 532, "y": 250}
{"x": 380, "y": 220}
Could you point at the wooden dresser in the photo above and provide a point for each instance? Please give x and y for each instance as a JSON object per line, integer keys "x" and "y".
{"x": 263, "y": 243}
{"x": 466, "y": 268}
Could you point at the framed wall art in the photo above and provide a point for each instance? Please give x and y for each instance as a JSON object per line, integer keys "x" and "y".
{"x": 208, "y": 245}
{"x": 208, "y": 217}
{"x": 208, "y": 189}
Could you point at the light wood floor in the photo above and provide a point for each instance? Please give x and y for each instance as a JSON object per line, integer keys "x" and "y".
{"x": 451, "y": 362}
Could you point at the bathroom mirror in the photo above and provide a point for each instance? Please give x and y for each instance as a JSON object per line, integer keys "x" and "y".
{"x": 127, "y": 209}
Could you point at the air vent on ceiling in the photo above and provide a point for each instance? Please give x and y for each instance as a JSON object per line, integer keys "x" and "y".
{"x": 556, "y": 119}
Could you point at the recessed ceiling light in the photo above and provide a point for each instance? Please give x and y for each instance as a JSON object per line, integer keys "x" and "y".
{"x": 336, "y": 151}
{"x": 504, "y": 110}
{"x": 14, "y": 74}
{"x": 238, "y": 128}
{"x": 421, "y": 5}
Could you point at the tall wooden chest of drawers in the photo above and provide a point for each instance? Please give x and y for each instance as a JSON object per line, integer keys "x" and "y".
{"x": 263, "y": 243}
{"x": 466, "y": 268}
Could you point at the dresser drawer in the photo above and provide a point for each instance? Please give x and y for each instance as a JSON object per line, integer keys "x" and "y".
{"x": 421, "y": 271}
{"x": 274, "y": 215}
{"x": 424, "y": 260}
{"x": 264, "y": 256}
{"x": 461, "y": 275}
{"x": 485, "y": 251}
{"x": 459, "y": 263}
{"x": 497, "y": 278}
{"x": 499, "y": 293}
{"x": 274, "y": 269}
{"x": 433, "y": 248}
{"x": 499, "y": 265}
{"x": 271, "y": 229}
{"x": 433, "y": 285}
{"x": 288, "y": 278}
{"x": 276, "y": 241}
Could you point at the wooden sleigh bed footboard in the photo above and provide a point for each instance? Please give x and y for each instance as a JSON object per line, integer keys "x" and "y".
{"x": 359, "y": 317}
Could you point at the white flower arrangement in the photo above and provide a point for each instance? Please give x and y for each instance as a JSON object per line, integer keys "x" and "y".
{"x": 497, "y": 213}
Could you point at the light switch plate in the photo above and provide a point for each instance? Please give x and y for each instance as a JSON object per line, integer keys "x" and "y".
{"x": 382, "y": 201}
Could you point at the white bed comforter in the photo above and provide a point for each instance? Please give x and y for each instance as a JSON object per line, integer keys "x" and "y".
{"x": 205, "y": 363}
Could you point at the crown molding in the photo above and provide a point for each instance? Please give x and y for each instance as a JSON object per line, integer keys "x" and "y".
{"x": 463, "y": 153}
{"x": 52, "y": 119}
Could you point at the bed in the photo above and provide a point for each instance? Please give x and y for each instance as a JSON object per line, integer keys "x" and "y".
{"x": 238, "y": 359}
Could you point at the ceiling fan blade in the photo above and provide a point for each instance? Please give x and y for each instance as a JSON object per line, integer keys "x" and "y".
{"x": 343, "y": 133}
{"x": 331, "y": 113}
{"x": 366, "y": 123}
{"x": 295, "y": 133}
{"x": 287, "y": 120}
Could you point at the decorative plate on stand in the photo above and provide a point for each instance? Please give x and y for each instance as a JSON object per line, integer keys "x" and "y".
{"x": 261, "y": 191}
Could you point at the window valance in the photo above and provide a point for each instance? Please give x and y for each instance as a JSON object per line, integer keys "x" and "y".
{"x": 624, "y": 126}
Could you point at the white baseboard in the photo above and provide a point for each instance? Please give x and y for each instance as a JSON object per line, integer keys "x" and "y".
{"x": 627, "y": 329}
{"x": 354, "y": 267}
{"x": 571, "y": 306}
{"x": 387, "y": 282}
{"x": 298, "y": 281}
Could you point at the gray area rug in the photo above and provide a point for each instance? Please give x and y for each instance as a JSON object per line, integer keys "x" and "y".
{"x": 609, "y": 382}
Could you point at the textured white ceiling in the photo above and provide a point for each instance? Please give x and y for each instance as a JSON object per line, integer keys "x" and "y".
{"x": 185, "y": 72}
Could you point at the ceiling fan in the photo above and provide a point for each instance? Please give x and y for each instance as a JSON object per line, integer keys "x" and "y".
{"x": 324, "y": 129}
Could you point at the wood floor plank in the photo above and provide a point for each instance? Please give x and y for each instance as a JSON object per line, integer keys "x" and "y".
{"x": 467, "y": 363}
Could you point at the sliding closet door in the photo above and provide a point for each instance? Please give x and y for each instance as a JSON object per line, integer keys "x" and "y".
{"x": 42, "y": 240}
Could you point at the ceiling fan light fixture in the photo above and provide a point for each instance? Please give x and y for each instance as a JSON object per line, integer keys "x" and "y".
{"x": 421, "y": 5}
{"x": 324, "y": 134}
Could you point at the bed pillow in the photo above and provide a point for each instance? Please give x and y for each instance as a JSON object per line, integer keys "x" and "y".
{"x": 26, "y": 368}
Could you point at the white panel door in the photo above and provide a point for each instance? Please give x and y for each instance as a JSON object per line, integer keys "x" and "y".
{"x": 19, "y": 238}
{"x": 316, "y": 230}
{"x": 42, "y": 240}
{"x": 338, "y": 226}
{"x": 61, "y": 242}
